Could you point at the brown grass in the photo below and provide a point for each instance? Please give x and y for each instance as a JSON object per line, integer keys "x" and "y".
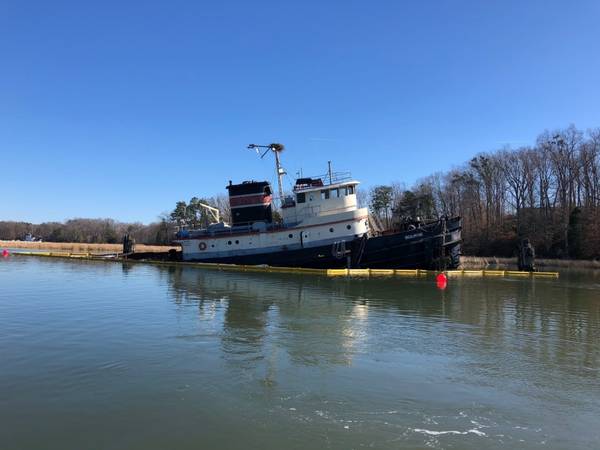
{"x": 83, "y": 247}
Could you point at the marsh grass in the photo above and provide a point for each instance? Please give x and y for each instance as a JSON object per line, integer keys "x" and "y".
{"x": 82, "y": 247}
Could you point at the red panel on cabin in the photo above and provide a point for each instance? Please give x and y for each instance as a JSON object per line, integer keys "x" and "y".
{"x": 249, "y": 200}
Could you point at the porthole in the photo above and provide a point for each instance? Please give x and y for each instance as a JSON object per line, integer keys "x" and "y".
{"x": 290, "y": 235}
{"x": 212, "y": 245}
{"x": 237, "y": 242}
{"x": 331, "y": 230}
{"x": 348, "y": 227}
{"x": 228, "y": 242}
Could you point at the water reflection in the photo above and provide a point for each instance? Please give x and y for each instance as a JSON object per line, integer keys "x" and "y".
{"x": 299, "y": 314}
{"x": 227, "y": 359}
{"x": 328, "y": 321}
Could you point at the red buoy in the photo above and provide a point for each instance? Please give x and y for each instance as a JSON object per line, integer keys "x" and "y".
{"x": 5, "y": 253}
{"x": 441, "y": 280}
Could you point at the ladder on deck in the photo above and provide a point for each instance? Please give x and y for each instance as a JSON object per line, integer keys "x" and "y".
{"x": 375, "y": 225}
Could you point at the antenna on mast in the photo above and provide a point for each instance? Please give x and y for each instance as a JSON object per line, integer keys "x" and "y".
{"x": 275, "y": 148}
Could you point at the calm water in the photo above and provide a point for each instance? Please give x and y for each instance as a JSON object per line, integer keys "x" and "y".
{"x": 98, "y": 355}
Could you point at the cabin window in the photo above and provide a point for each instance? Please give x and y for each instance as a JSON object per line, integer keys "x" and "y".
{"x": 301, "y": 197}
{"x": 228, "y": 242}
{"x": 335, "y": 192}
{"x": 237, "y": 242}
{"x": 290, "y": 236}
{"x": 348, "y": 227}
{"x": 325, "y": 194}
{"x": 350, "y": 190}
{"x": 331, "y": 230}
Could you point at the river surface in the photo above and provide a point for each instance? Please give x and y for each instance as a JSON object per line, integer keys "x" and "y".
{"x": 97, "y": 355}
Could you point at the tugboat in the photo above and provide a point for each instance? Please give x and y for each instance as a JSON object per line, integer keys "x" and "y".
{"x": 321, "y": 226}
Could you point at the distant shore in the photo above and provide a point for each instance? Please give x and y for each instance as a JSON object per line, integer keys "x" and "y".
{"x": 82, "y": 247}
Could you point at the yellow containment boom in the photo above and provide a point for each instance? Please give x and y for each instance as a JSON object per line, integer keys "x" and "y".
{"x": 300, "y": 270}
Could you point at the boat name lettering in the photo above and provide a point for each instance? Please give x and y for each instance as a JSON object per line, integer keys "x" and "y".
{"x": 412, "y": 236}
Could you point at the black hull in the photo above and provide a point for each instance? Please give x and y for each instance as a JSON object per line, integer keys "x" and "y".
{"x": 314, "y": 257}
{"x": 430, "y": 246}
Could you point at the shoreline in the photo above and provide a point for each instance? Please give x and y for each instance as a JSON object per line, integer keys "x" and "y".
{"x": 484, "y": 262}
{"x": 83, "y": 247}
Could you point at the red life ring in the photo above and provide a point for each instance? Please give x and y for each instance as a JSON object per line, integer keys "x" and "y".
{"x": 202, "y": 246}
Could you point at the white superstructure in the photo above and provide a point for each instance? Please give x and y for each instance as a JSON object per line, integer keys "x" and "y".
{"x": 315, "y": 215}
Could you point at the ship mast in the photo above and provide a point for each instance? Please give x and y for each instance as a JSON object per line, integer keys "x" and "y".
{"x": 275, "y": 148}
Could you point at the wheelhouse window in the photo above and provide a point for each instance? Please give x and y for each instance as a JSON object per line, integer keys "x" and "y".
{"x": 325, "y": 194}
{"x": 335, "y": 192}
{"x": 301, "y": 197}
{"x": 350, "y": 190}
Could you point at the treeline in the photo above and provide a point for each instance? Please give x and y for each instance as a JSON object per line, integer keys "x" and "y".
{"x": 109, "y": 231}
{"x": 105, "y": 231}
{"x": 548, "y": 192}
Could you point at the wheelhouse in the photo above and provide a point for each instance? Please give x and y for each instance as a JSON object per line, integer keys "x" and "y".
{"x": 312, "y": 198}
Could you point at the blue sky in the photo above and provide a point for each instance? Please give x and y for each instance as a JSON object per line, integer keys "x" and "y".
{"x": 119, "y": 109}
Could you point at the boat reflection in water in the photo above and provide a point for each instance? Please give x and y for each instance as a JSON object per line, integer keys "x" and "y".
{"x": 260, "y": 312}
{"x": 328, "y": 321}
